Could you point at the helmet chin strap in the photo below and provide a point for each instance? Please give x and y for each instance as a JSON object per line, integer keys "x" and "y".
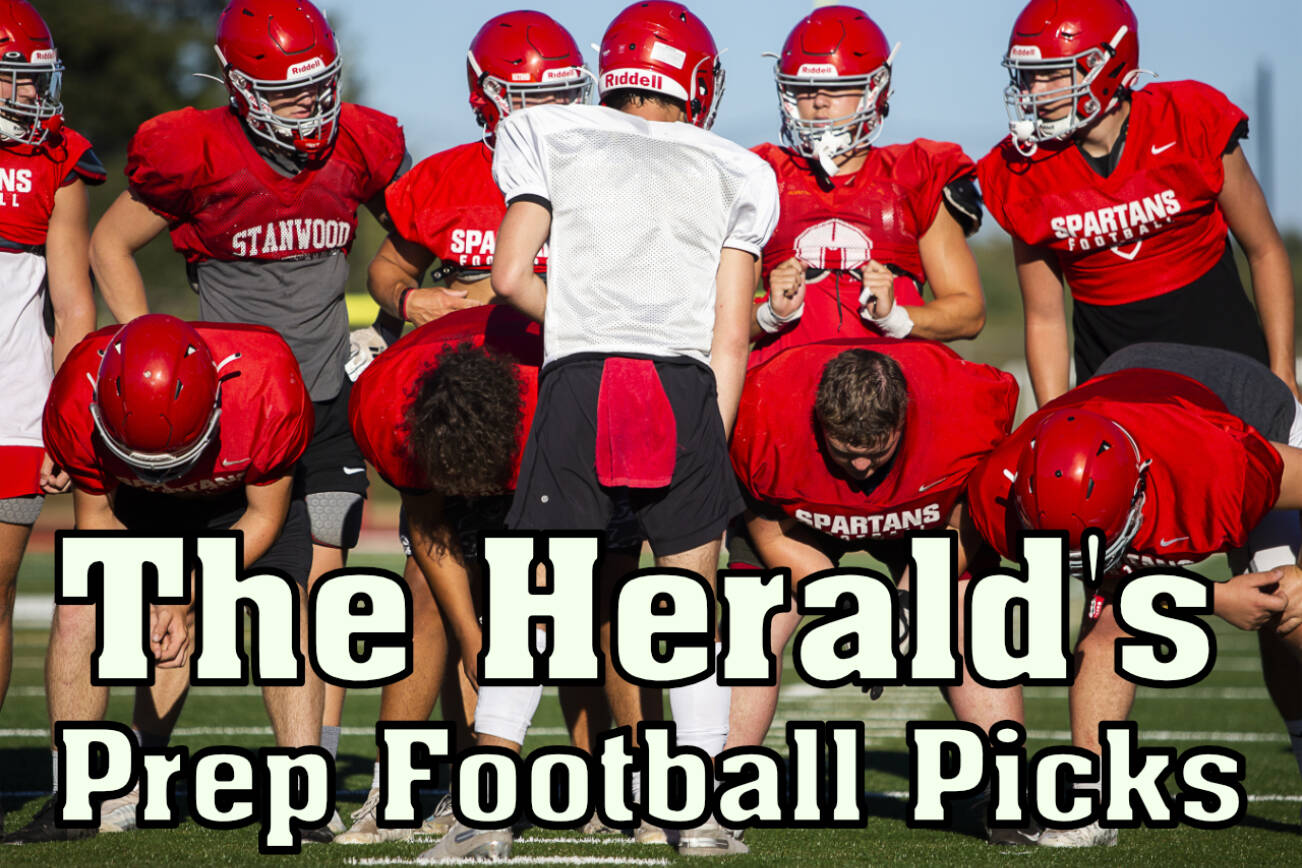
{"x": 828, "y": 145}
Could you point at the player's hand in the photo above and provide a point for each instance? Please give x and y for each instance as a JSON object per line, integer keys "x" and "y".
{"x": 878, "y": 296}
{"x": 470, "y": 649}
{"x": 427, "y": 305}
{"x": 169, "y": 640}
{"x": 787, "y": 287}
{"x": 363, "y": 346}
{"x": 54, "y": 479}
{"x": 1290, "y": 587}
{"x": 1250, "y": 600}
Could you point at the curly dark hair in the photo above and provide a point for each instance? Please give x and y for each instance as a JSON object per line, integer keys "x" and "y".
{"x": 862, "y": 398}
{"x": 622, "y": 98}
{"x": 465, "y": 421}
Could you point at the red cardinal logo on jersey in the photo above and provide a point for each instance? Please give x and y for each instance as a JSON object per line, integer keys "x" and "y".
{"x": 834, "y": 244}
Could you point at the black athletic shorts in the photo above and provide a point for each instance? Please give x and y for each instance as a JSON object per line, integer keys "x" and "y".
{"x": 1213, "y": 311}
{"x": 1247, "y": 387}
{"x": 558, "y": 487}
{"x": 154, "y": 512}
{"x": 332, "y": 460}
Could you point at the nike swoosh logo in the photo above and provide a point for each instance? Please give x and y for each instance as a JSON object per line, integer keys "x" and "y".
{"x": 353, "y": 471}
{"x": 1167, "y": 542}
{"x": 1156, "y": 150}
{"x": 930, "y": 485}
{"x": 226, "y": 463}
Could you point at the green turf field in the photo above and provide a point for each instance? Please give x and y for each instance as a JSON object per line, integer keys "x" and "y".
{"x": 1230, "y": 707}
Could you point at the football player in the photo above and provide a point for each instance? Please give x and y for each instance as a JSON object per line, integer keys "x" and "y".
{"x": 447, "y": 209}
{"x": 862, "y": 227}
{"x": 1175, "y": 453}
{"x": 646, "y": 308}
{"x": 836, "y": 448}
{"x": 442, "y": 416}
{"x": 44, "y": 169}
{"x": 1129, "y": 194}
{"x": 261, "y": 198}
{"x": 167, "y": 427}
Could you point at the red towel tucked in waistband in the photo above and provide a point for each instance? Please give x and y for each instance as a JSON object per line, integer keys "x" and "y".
{"x": 637, "y": 435}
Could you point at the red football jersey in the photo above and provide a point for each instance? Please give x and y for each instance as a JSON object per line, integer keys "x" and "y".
{"x": 1150, "y": 227}
{"x": 449, "y": 204}
{"x": 265, "y": 425}
{"x": 1212, "y": 479}
{"x": 222, "y": 200}
{"x": 957, "y": 412}
{"x": 384, "y": 392}
{"x": 877, "y": 213}
{"x": 29, "y": 178}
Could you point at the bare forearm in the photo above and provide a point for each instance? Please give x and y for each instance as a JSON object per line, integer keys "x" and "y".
{"x": 729, "y": 368}
{"x": 1046, "y": 359}
{"x": 529, "y": 295}
{"x": 71, "y": 324}
{"x": 119, "y": 282}
{"x": 1272, "y": 284}
{"x": 953, "y": 317}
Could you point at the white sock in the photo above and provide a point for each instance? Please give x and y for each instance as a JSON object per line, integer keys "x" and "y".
{"x": 330, "y": 740}
{"x": 1295, "y": 739}
{"x": 701, "y": 712}
{"x": 54, "y": 770}
{"x": 375, "y": 777}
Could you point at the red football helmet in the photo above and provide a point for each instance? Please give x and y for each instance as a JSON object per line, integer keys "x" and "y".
{"x": 837, "y": 47}
{"x": 1080, "y": 471}
{"x": 520, "y": 59}
{"x": 31, "y": 76}
{"x": 1094, "y": 42}
{"x": 270, "y": 49}
{"x": 157, "y": 400}
{"x": 663, "y": 47}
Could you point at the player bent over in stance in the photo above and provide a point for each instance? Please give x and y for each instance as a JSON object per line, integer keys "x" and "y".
{"x": 1128, "y": 194}
{"x": 167, "y": 427}
{"x": 655, "y": 228}
{"x": 842, "y": 446}
{"x": 1176, "y": 453}
{"x": 862, "y": 227}
{"x": 442, "y": 416}
{"x": 447, "y": 210}
{"x": 42, "y": 246}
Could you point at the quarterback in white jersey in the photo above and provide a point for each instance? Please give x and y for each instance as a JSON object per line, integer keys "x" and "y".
{"x": 654, "y": 230}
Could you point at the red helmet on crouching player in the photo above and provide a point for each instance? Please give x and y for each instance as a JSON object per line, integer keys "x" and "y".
{"x": 1082, "y": 471}
{"x": 523, "y": 58}
{"x": 157, "y": 401}
{"x": 278, "y": 51}
{"x": 1087, "y": 49}
{"x": 834, "y": 47}
{"x": 29, "y": 65}
{"x": 664, "y": 48}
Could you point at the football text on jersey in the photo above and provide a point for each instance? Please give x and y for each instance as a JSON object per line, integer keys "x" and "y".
{"x": 1116, "y": 224}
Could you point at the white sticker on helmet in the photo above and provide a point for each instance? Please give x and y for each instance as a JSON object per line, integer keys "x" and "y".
{"x": 668, "y": 54}
{"x": 298, "y": 70}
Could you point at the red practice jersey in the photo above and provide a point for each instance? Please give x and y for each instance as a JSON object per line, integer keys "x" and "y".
{"x": 265, "y": 424}
{"x": 1212, "y": 479}
{"x": 384, "y": 392}
{"x": 877, "y": 213}
{"x": 957, "y": 412}
{"x": 1150, "y": 227}
{"x": 449, "y": 204}
{"x": 29, "y": 178}
{"x": 223, "y": 201}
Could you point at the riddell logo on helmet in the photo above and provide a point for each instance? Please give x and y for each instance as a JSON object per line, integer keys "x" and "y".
{"x": 304, "y": 68}
{"x": 1024, "y": 52}
{"x": 817, "y": 69}
{"x": 565, "y": 74}
{"x": 631, "y": 78}
{"x": 45, "y": 55}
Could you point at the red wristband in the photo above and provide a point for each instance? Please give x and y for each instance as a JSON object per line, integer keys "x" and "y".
{"x": 402, "y": 301}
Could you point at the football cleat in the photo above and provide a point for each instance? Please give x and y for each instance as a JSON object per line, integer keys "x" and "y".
{"x": 366, "y": 830}
{"x": 1092, "y": 835}
{"x": 710, "y": 839}
{"x": 647, "y": 833}
{"x": 42, "y": 828}
{"x": 119, "y": 815}
{"x": 1028, "y": 835}
{"x": 594, "y": 826}
{"x": 463, "y": 842}
{"x": 441, "y": 820}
